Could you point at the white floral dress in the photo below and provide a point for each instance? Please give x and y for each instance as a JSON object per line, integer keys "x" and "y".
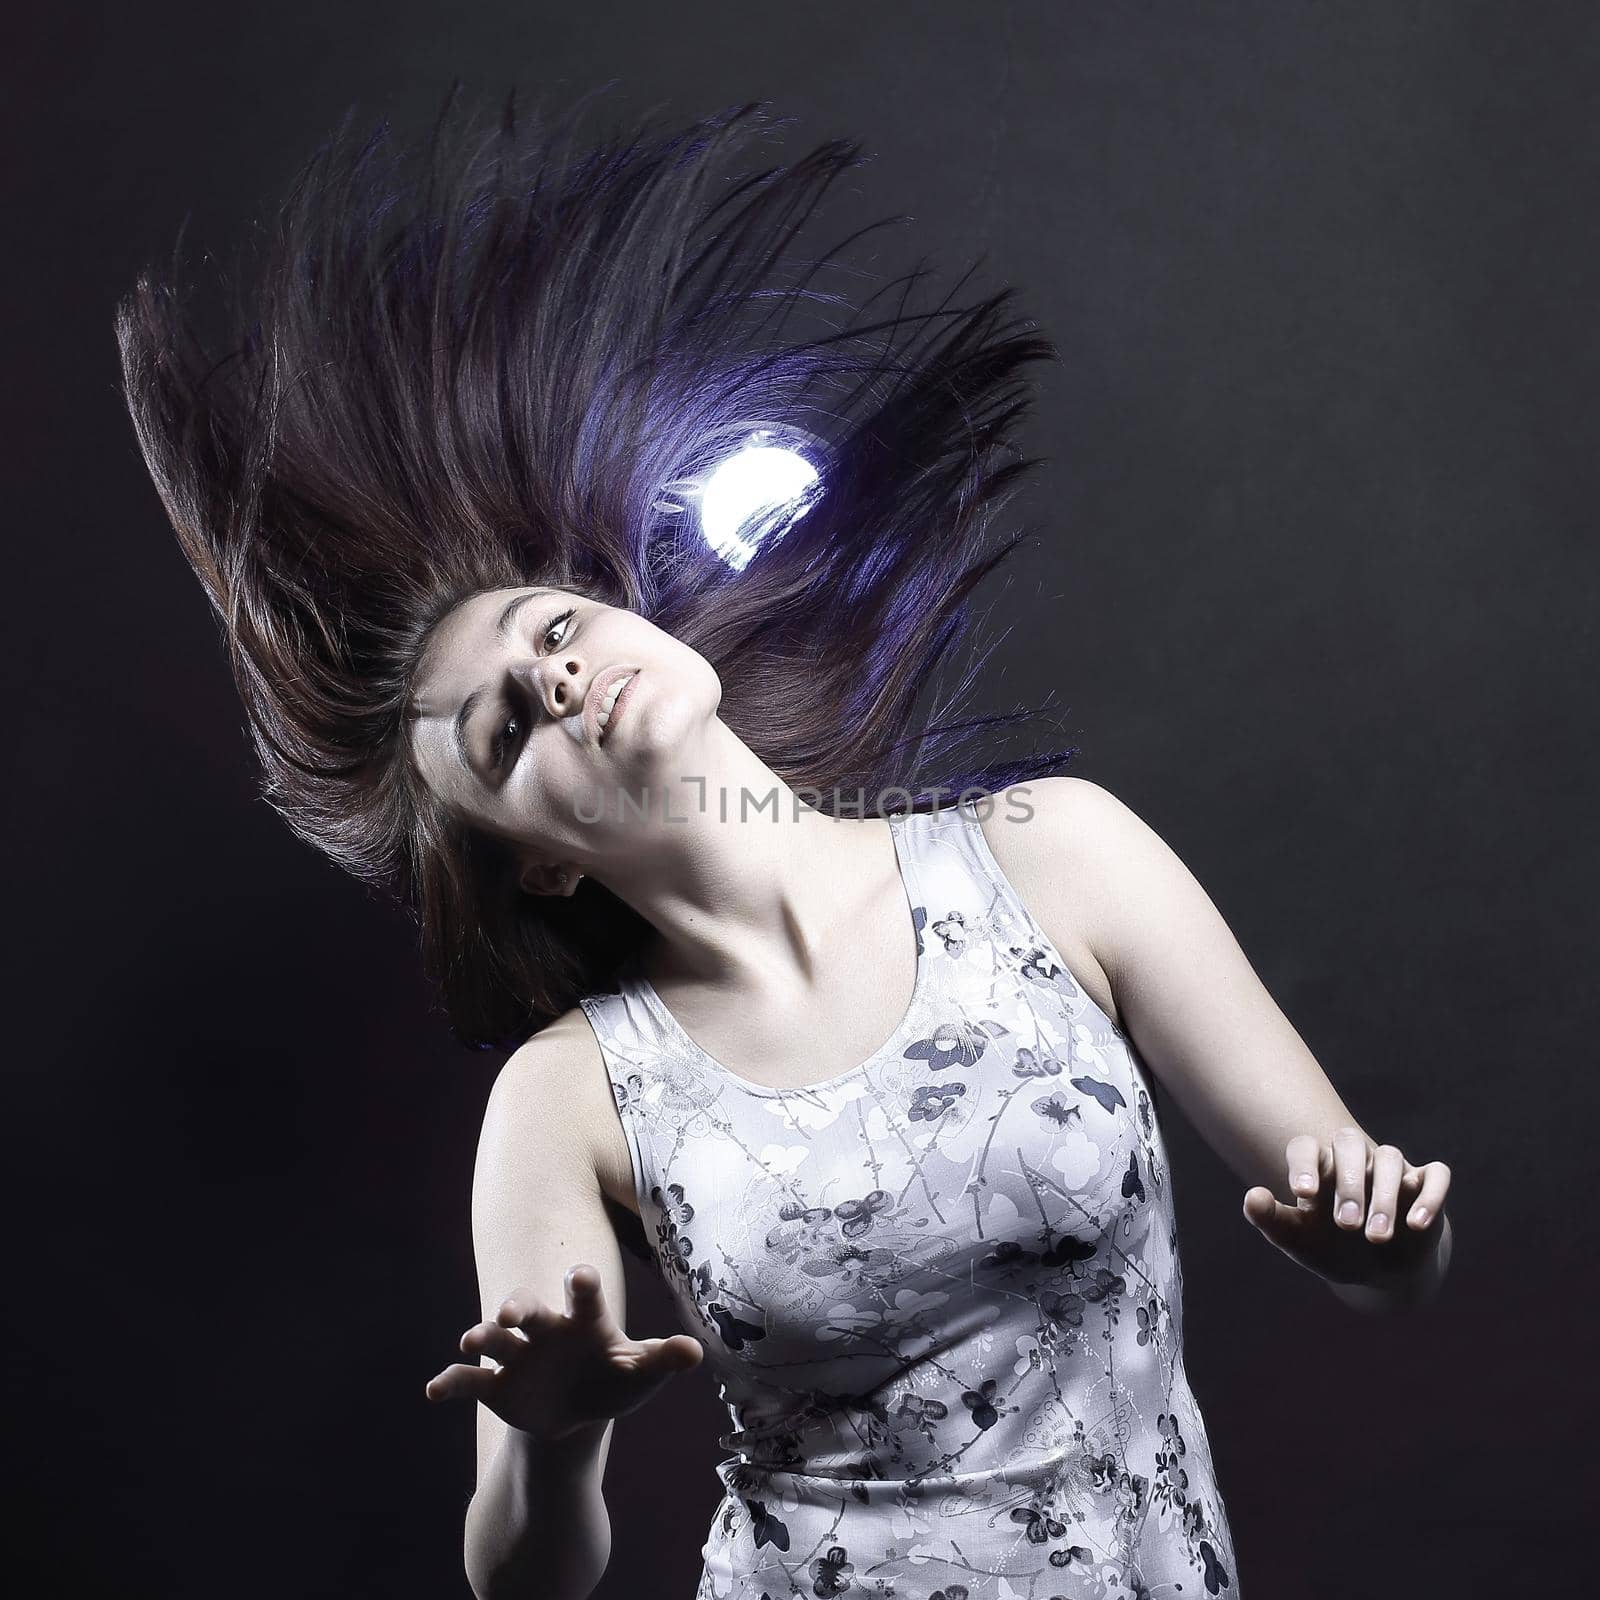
{"x": 939, "y": 1292}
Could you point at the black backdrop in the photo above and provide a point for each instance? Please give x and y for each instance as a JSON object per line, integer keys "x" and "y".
{"x": 1316, "y": 579}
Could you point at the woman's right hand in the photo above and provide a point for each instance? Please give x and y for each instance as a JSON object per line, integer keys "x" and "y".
{"x": 560, "y": 1372}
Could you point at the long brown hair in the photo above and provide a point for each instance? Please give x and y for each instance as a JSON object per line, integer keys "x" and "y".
{"x": 481, "y": 374}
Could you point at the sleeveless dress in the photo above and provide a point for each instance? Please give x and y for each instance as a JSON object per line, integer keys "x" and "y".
{"x": 940, "y": 1291}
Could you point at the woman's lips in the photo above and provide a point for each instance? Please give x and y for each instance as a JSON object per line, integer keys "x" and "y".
{"x": 617, "y": 705}
{"x": 589, "y": 712}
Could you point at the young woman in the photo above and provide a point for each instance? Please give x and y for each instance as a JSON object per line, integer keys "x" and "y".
{"x": 860, "y": 1037}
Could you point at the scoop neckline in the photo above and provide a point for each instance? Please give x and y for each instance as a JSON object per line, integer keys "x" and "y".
{"x": 890, "y": 1046}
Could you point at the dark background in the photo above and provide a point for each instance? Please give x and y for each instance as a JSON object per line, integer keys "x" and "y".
{"x": 1316, "y": 580}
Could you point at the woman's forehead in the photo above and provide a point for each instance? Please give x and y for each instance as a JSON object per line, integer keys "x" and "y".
{"x": 450, "y": 649}
{"x": 453, "y": 664}
{"x": 455, "y": 652}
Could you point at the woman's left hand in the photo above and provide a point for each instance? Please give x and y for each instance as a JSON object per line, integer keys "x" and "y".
{"x": 1348, "y": 1195}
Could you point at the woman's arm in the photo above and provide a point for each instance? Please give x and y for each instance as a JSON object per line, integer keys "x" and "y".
{"x": 537, "y": 1524}
{"x": 1202, "y": 1020}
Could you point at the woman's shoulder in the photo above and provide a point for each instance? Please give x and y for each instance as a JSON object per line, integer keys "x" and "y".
{"x": 1043, "y": 834}
{"x": 558, "y": 1076}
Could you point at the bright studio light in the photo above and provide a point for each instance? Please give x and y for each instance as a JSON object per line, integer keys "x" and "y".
{"x": 758, "y": 477}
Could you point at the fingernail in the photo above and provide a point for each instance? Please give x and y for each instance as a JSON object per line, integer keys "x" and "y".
{"x": 1306, "y": 1181}
{"x": 1379, "y": 1223}
{"x": 1420, "y": 1215}
{"x": 1349, "y": 1212}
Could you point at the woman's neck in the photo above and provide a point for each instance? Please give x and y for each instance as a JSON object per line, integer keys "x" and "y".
{"x": 742, "y": 876}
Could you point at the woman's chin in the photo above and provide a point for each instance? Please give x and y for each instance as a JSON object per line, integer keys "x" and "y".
{"x": 658, "y": 728}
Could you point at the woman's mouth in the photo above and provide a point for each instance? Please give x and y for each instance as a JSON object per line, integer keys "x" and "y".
{"x": 612, "y": 701}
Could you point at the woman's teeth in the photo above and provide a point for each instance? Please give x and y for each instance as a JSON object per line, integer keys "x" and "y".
{"x": 611, "y": 699}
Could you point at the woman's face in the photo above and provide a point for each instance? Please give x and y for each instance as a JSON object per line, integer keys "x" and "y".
{"x": 511, "y": 693}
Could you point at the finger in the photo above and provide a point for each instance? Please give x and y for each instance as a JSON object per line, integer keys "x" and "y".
{"x": 586, "y": 1295}
{"x": 1350, "y": 1177}
{"x": 1428, "y": 1204}
{"x": 460, "y": 1382}
{"x": 491, "y": 1339}
{"x": 522, "y": 1308}
{"x": 679, "y": 1352}
{"x": 1388, "y": 1166}
{"x": 1302, "y": 1153}
{"x": 1280, "y": 1223}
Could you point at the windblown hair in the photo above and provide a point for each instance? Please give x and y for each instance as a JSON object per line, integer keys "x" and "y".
{"x": 482, "y": 375}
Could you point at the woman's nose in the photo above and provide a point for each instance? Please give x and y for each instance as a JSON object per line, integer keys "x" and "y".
{"x": 557, "y": 682}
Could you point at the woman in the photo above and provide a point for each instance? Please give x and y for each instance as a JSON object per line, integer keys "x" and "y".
{"x": 874, "y": 1066}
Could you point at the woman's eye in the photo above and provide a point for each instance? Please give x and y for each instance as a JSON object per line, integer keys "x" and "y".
{"x": 560, "y": 623}
{"x": 502, "y": 742}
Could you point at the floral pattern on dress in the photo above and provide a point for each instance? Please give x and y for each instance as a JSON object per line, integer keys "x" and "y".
{"x": 940, "y": 1292}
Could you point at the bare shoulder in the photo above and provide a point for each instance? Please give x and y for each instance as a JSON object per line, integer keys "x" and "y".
{"x": 1055, "y": 838}
{"x": 554, "y": 1088}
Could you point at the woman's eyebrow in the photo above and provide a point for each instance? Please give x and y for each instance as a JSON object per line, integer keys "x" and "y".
{"x": 502, "y": 626}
